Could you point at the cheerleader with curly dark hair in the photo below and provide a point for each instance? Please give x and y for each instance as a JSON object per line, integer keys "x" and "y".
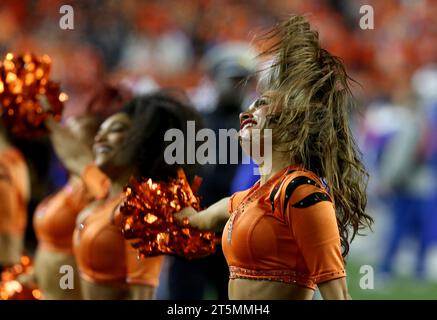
{"x": 128, "y": 143}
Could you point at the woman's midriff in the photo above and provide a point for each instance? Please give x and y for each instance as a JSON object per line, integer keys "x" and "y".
{"x": 97, "y": 291}
{"x": 47, "y": 272}
{"x": 11, "y": 247}
{"x": 244, "y": 289}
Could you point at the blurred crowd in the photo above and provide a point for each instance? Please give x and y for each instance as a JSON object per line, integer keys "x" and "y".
{"x": 208, "y": 47}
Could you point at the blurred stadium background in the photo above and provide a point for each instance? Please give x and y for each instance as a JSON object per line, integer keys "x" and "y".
{"x": 146, "y": 44}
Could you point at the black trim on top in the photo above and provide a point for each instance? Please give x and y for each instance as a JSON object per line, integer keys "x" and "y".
{"x": 275, "y": 191}
{"x": 294, "y": 184}
{"x": 311, "y": 199}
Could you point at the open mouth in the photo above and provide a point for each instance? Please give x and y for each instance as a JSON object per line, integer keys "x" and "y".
{"x": 248, "y": 123}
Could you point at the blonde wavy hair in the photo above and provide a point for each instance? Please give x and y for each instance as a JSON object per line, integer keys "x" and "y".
{"x": 313, "y": 90}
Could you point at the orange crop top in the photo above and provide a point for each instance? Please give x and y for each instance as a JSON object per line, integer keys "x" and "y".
{"x": 55, "y": 217}
{"x": 285, "y": 230}
{"x": 14, "y": 192}
{"x": 102, "y": 254}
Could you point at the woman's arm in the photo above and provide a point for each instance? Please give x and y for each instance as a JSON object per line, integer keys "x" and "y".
{"x": 213, "y": 218}
{"x": 334, "y": 290}
{"x": 77, "y": 157}
{"x": 74, "y": 154}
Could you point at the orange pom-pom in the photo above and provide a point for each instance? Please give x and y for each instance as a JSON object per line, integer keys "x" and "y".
{"x": 148, "y": 219}
{"x": 10, "y": 286}
{"x": 23, "y": 79}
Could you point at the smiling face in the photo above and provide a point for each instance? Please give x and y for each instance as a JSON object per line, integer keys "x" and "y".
{"x": 109, "y": 142}
{"x": 257, "y": 115}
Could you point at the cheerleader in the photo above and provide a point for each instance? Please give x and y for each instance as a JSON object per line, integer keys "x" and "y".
{"x": 55, "y": 217}
{"x": 290, "y": 232}
{"x": 129, "y": 143}
{"x": 14, "y": 195}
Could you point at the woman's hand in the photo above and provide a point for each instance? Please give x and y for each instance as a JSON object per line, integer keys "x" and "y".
{"x": 194, "y": 218}
{"x": 213, "y": 218}
{"x": 73, "y": 153}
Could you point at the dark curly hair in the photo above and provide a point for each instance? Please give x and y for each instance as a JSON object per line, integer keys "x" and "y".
{"x": 152, "y": 115}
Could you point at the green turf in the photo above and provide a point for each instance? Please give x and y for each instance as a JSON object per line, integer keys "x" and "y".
{"x": 397, "y": 288}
